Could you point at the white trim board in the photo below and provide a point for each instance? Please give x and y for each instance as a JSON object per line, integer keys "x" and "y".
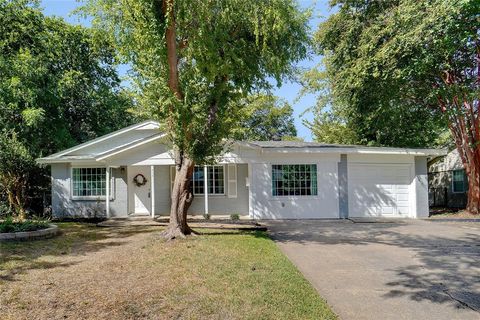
{"x": 103, "y": 138}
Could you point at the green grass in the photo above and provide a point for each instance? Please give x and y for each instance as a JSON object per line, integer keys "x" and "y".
{"x": 218, "y": 275}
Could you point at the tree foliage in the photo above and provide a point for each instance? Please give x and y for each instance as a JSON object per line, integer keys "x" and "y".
{"x": 330, "y": 127}
{"x": 361, "y": 90}
{"x": 398, "y": 70}
{"x": 265, "y": 117}
{"x": 16, "y": 166}
{"x": 58, "y": 84}
{"x": 225, "y": 50}
{"x": 193, "y": 61}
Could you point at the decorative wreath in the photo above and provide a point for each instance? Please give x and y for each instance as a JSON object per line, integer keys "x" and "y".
{"x": 140, "y": 180}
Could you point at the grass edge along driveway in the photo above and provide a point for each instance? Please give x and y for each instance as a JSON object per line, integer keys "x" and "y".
{"x": 129, "y": 273}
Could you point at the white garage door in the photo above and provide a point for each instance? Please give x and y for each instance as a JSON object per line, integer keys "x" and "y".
{"x": 379, "y": 190}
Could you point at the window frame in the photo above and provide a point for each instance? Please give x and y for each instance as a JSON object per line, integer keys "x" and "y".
{"x": 294, "y": 196}
{"x": 102, "y": 197}
{"x": 465, "y": 185}
{"x": 210, "y": 194}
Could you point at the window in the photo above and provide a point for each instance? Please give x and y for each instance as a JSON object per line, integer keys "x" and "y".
{"x": 294, "y": 180}
{"x": 459, "y": 181}
{"x": 89, "y": 182}
{"x": 216, "y": 181}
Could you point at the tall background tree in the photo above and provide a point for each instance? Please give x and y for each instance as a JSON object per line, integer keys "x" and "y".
{"x": 193, "y": 61}
{"x": 58, "y": 87}
{"x": 390, "y": 121}
{"x": 395, "y": 71}
{"x": 265, "y": 117}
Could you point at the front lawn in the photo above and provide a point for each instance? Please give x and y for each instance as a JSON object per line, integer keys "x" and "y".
{"x": 97, "y": 273}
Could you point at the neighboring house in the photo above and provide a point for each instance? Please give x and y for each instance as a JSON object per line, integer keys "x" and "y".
{"x": 447, "y": 181}
{"x": 130, "y": 172}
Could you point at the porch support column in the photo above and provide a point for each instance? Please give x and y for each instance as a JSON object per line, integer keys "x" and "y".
{"x": 205, "y": 187}
{"x": 152, "y": 189}
{"x": 107, "y": 191}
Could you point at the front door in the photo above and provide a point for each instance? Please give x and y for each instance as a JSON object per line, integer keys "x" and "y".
{"x": 140, "y": 201}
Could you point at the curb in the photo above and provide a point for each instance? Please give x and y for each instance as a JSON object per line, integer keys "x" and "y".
{"x": 50, "y": 232}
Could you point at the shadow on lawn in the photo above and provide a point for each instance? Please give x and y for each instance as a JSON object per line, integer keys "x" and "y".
{"x": 76, "y": 239}
{"x": 448, "y": 268}
{"x": 225, "y": 232}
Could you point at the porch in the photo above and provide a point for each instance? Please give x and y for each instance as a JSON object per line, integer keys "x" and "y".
{"x": 145, "y": 191}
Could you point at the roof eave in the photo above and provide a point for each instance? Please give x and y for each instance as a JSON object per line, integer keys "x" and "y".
{"x": 63, "y": 160}
{"x": 102, "y": 138}
{"x": 136, "y": 144}
{"x": 355, "y": 150}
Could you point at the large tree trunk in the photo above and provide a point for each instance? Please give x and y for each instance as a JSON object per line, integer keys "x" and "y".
{"x": 182, "y": 196}
{"x": 473, "y": 202}
{"x": 464, "y": 122}
{"x": 469, "y": 152}
{"x": 181, "y": 199}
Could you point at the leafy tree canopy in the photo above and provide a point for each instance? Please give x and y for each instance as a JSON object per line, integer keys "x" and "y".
{"x": 194, "y": 61}
{"x": 224, "y": 51}
{"x": 266, "y": 117}
{"x": 400, "y": 72}
{"x": 58, "y": 87}
{"x": 58, "y": 84}
{"x": 384, "y": 63}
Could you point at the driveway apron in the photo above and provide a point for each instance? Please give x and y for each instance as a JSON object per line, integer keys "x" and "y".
{"x": 388, "y": 270}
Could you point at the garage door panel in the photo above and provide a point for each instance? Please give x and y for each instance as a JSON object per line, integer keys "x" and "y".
{"x": 402, "y": 197}
{"x": 379, "y": 190}
{"x": 403, "y": 210}
{"x": 386, "y": 187}
{"x": 387, "y": 210}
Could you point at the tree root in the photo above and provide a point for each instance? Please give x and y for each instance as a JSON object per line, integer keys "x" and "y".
{"x": 175, "y": 232}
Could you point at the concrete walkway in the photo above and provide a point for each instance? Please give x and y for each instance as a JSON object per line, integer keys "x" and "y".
{"x": 194, "y": 223}
{"x": 400, "y": 270}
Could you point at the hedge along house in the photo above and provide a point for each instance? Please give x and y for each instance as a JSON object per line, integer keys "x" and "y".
{"x": 130, "y": 172}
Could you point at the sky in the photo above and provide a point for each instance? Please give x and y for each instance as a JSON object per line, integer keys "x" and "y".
{"x": 288, "y": 91}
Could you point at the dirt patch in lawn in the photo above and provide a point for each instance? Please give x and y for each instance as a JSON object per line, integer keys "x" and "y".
{"x": 451, "y": 213}
{"x": 129, "y": 273}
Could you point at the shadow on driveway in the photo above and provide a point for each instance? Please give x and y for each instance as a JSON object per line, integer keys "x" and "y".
{"x": 388, "y": 270}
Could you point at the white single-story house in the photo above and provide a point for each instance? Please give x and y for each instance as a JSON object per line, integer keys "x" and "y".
{"x": 130, "y": 172}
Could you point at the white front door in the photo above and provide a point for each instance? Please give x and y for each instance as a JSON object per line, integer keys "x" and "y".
{"x": 139, "y": 196}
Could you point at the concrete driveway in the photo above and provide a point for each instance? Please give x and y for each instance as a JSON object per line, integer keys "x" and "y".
{"x": 401, "y": 270}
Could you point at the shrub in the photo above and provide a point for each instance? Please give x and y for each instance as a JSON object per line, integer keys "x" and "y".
{"x": 235, "y": 216}
{"x": 10, "y": 225}
{"x": 4, "y": 210}
{"x": 16, "y": 168}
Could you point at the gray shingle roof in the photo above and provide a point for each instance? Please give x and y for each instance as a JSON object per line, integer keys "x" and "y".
{"x": 294, "y": 144}
{"x": 331, "y": 147}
